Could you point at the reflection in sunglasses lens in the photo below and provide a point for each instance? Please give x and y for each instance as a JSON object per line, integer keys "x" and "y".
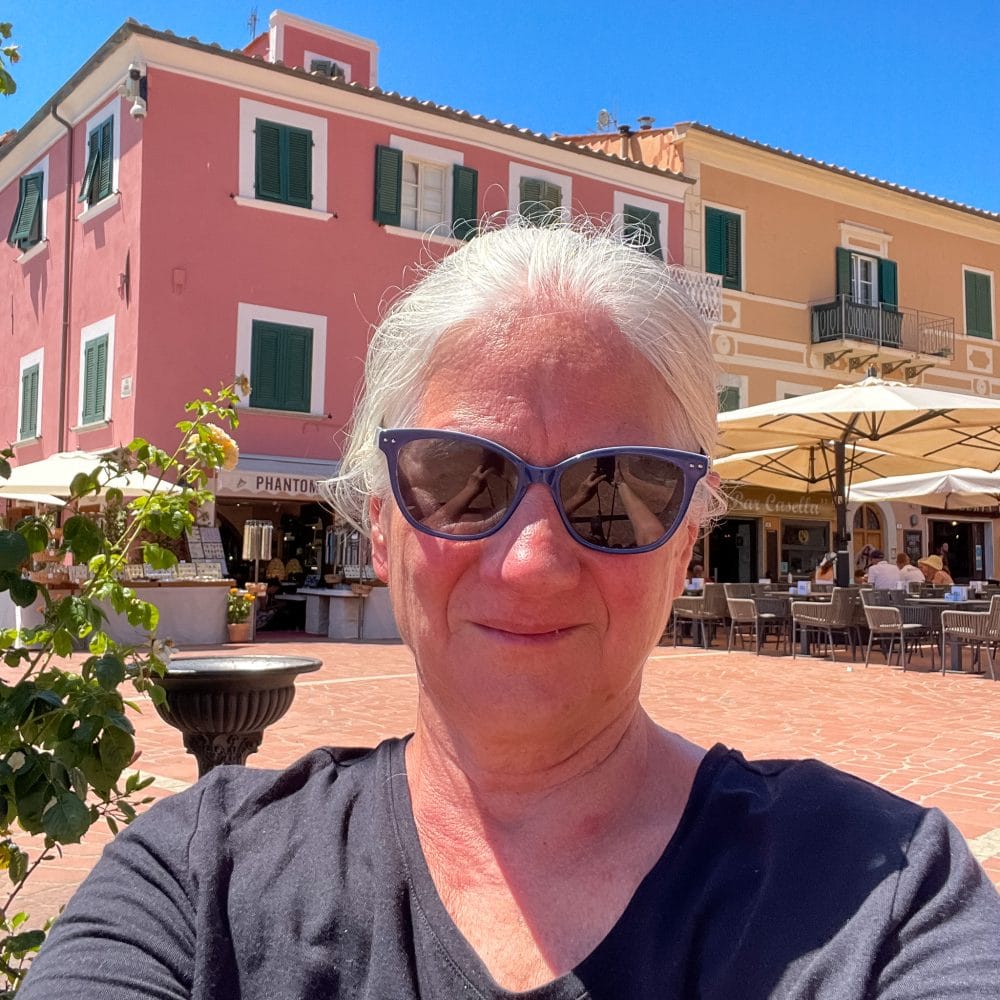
{"x": 456, "y": 487}
{"x": 622, "y": 501}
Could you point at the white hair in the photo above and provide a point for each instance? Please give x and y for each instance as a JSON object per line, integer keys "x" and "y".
{"x": 500, "y": 274}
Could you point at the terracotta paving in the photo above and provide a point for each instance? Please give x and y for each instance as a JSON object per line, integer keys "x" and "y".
{"x": 932, "y": 738}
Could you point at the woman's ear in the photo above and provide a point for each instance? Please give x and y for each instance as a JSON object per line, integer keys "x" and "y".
{"x": 380, "y": 549}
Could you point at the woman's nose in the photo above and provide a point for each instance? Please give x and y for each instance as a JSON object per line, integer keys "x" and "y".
{"x": 534, "y": 548}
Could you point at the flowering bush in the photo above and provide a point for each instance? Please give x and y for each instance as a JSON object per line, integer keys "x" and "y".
{"x": 239, "y": 604}
{"x": 65, "y": 740}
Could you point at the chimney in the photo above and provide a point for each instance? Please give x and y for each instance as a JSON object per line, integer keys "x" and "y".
{"x": 645, "y": 122}
{"x": 625, "y": 131}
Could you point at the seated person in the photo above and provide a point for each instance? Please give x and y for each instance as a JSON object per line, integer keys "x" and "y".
{"x": 882, "y": 575}
{"x": 826, "y": 570}
{"x": 934, "y": 571}
{"x": 908, "y": 573}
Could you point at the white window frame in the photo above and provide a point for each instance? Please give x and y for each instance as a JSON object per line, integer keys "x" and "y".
{"x": 517, "y": 171}
{"x": 87, "y": 334}
{"x": 309, "y": 56}
{"x": 857, "y": 259}
{"x": 662, "y": 209}
{"x": 783, "y": 389}
{"x": 993, "y": 306}
{"x": 250, "y": 111}
{"x": 29, "y": 361}
{"x": 246, "y": 313}
{"x": 113, "y": 111}
{"x": 438, "y": 156}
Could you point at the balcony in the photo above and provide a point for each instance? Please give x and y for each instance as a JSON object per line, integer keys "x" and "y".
{"x": 855, "y": 326}
{"x": 704, "y": 290}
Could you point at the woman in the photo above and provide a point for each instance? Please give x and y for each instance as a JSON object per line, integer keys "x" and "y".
{"x": 537, "y": 834}
{"x": 908, "y": 573}
{"x": 934, "y": 571}
{"x": 827, "y": 568}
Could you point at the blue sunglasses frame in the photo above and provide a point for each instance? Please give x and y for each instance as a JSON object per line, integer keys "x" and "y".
{"x": 692, "y": 465}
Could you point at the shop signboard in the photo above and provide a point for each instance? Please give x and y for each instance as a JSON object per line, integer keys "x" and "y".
{"x": 262, "y": 484}
{"x": 745, "y": 500}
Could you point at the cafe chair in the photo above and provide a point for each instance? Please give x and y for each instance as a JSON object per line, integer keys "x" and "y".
{"x": 710, "y": 609}
{"x": 838, "y": 616}
{"x": 978, "y": 630}
{"x": 888, "y": 622}
{"x": 742, "y": 619}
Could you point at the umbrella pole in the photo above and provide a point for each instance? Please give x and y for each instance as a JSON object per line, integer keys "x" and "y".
{"x": 842, "y": 539}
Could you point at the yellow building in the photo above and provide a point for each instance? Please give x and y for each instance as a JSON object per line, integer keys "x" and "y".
{"x": 826, "y": 274}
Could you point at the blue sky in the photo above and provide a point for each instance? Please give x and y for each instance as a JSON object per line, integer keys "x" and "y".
{"x": 904, "y": 91}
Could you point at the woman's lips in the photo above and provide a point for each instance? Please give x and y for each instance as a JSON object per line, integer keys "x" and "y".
{"x": 520, "y": 632}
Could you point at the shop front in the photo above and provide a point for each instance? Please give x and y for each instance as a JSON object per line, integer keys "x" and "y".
{"x": 769, "y": 534}
{"x": 964, "y": 542}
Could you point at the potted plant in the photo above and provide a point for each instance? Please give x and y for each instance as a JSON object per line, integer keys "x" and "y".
{"x": 239, "y": 606}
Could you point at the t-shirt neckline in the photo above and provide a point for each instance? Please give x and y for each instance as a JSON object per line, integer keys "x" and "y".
{"x": 459, "y": 953}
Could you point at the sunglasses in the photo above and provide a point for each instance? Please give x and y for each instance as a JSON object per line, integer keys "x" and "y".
{"x": 625, "y": 499}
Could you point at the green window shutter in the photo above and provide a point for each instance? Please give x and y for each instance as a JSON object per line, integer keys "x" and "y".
{"x": 26, "y": 226}
{"x": 642, "y": 225}
{"x": 267, "y": 184}
{"x": 978, "y": 305}
{"x": 324, "y": 66}
{"x": 388, "y": 185}
{"x": 715, "y": 253}
{"x": 537, "y": 199}
{"x": 104, "y": 171}
{"x": 729, "y": 398}
{"x": 90, "y": 174}
{"x": 843, "y": 271}
{"x": 732, "y": 276}
{"x": 299, "y": 166}
{"x": 464, "y": 202}
{"x": 281, "y": 367}
{"x": 29, "y": 403}
{"x": 95, "y": 375}
{"x": 297, "y": 369}
{"x": 888, "y": 283}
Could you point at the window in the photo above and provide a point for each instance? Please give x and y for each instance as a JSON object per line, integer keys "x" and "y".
{"x": 26, "y": 226}
{"x": 538, "y": 200}
{"x": 95, "y": 379}
{"x": 867, "y": 280}
{"x": 281, "y": 366}
{"x": 978, "y": 304}
{"x": 29, "y": 404}
{"x": 98, "y": 177}
{"x": 283, "y": 163}
{"x": 724, "y": 246}
{"x": 642, "y": 229}
{"x": 412, "y": 182}
{"x": 729, "y": 398}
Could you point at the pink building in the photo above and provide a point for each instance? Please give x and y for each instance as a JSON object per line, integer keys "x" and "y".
{"x": 179, "y": 214}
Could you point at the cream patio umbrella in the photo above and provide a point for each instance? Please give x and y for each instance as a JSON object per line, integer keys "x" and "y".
{"x": 922, "y": 423}
{"x": 53, "y": 476}
{"x": 951, "y": 489}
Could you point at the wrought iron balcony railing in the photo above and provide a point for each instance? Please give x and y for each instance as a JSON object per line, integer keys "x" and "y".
{"x": 879, "y": 326}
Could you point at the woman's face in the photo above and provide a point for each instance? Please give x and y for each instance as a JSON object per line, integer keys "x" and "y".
{"x": 529, "y": 628}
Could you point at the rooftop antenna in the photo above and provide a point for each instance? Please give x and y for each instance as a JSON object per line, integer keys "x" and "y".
{"x": 252, "y": 23}
{"x": 605, "y": 121}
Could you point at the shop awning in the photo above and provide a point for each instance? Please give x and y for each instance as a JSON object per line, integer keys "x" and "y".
{"x": 275, "y": 478}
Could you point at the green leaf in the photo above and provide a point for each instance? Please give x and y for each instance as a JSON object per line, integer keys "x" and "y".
{"x": 109, "y": 671}
{"x": 19, "y": 945}
{"x": 67, "y": 819}
{"x": 116, "y": 749}
{"x": 14, "y": 550}
{"x": 5, "y": 469}
{"x": 113, "y": 495}
{"x": 83, "y": 537}
{"x": 82, "y": 484}
{"x": 157, "y": 556}
{"x": 35, "y": 532}
{"x": 18, "y": 865}
{"x": 23, "y": 592}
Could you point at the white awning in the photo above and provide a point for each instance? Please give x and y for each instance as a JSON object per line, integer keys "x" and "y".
{"x": 268, "y": 477}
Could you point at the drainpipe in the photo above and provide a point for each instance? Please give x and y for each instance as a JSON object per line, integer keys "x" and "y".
{"x": 67, "y": 274}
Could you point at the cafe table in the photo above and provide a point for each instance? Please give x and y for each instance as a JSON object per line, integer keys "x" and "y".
{"x": 939, "y": 604}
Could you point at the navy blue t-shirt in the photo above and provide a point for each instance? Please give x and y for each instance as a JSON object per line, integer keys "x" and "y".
{"x": 783, "y": 879}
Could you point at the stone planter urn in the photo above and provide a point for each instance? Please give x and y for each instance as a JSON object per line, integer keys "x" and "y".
{"x": 223, "y": 704}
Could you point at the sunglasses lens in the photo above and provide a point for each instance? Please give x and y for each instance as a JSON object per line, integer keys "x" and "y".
{"x": 455, "y": 487}
{"x": 623, "y": 501}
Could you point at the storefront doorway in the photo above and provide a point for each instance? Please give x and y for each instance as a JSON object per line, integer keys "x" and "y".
{"x": 966, "y": 553}
{"x": 733, "y": 551}
{"x": 803, "y": 545}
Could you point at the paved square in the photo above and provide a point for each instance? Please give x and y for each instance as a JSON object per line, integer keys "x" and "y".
{"x": 932, "y": 738}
